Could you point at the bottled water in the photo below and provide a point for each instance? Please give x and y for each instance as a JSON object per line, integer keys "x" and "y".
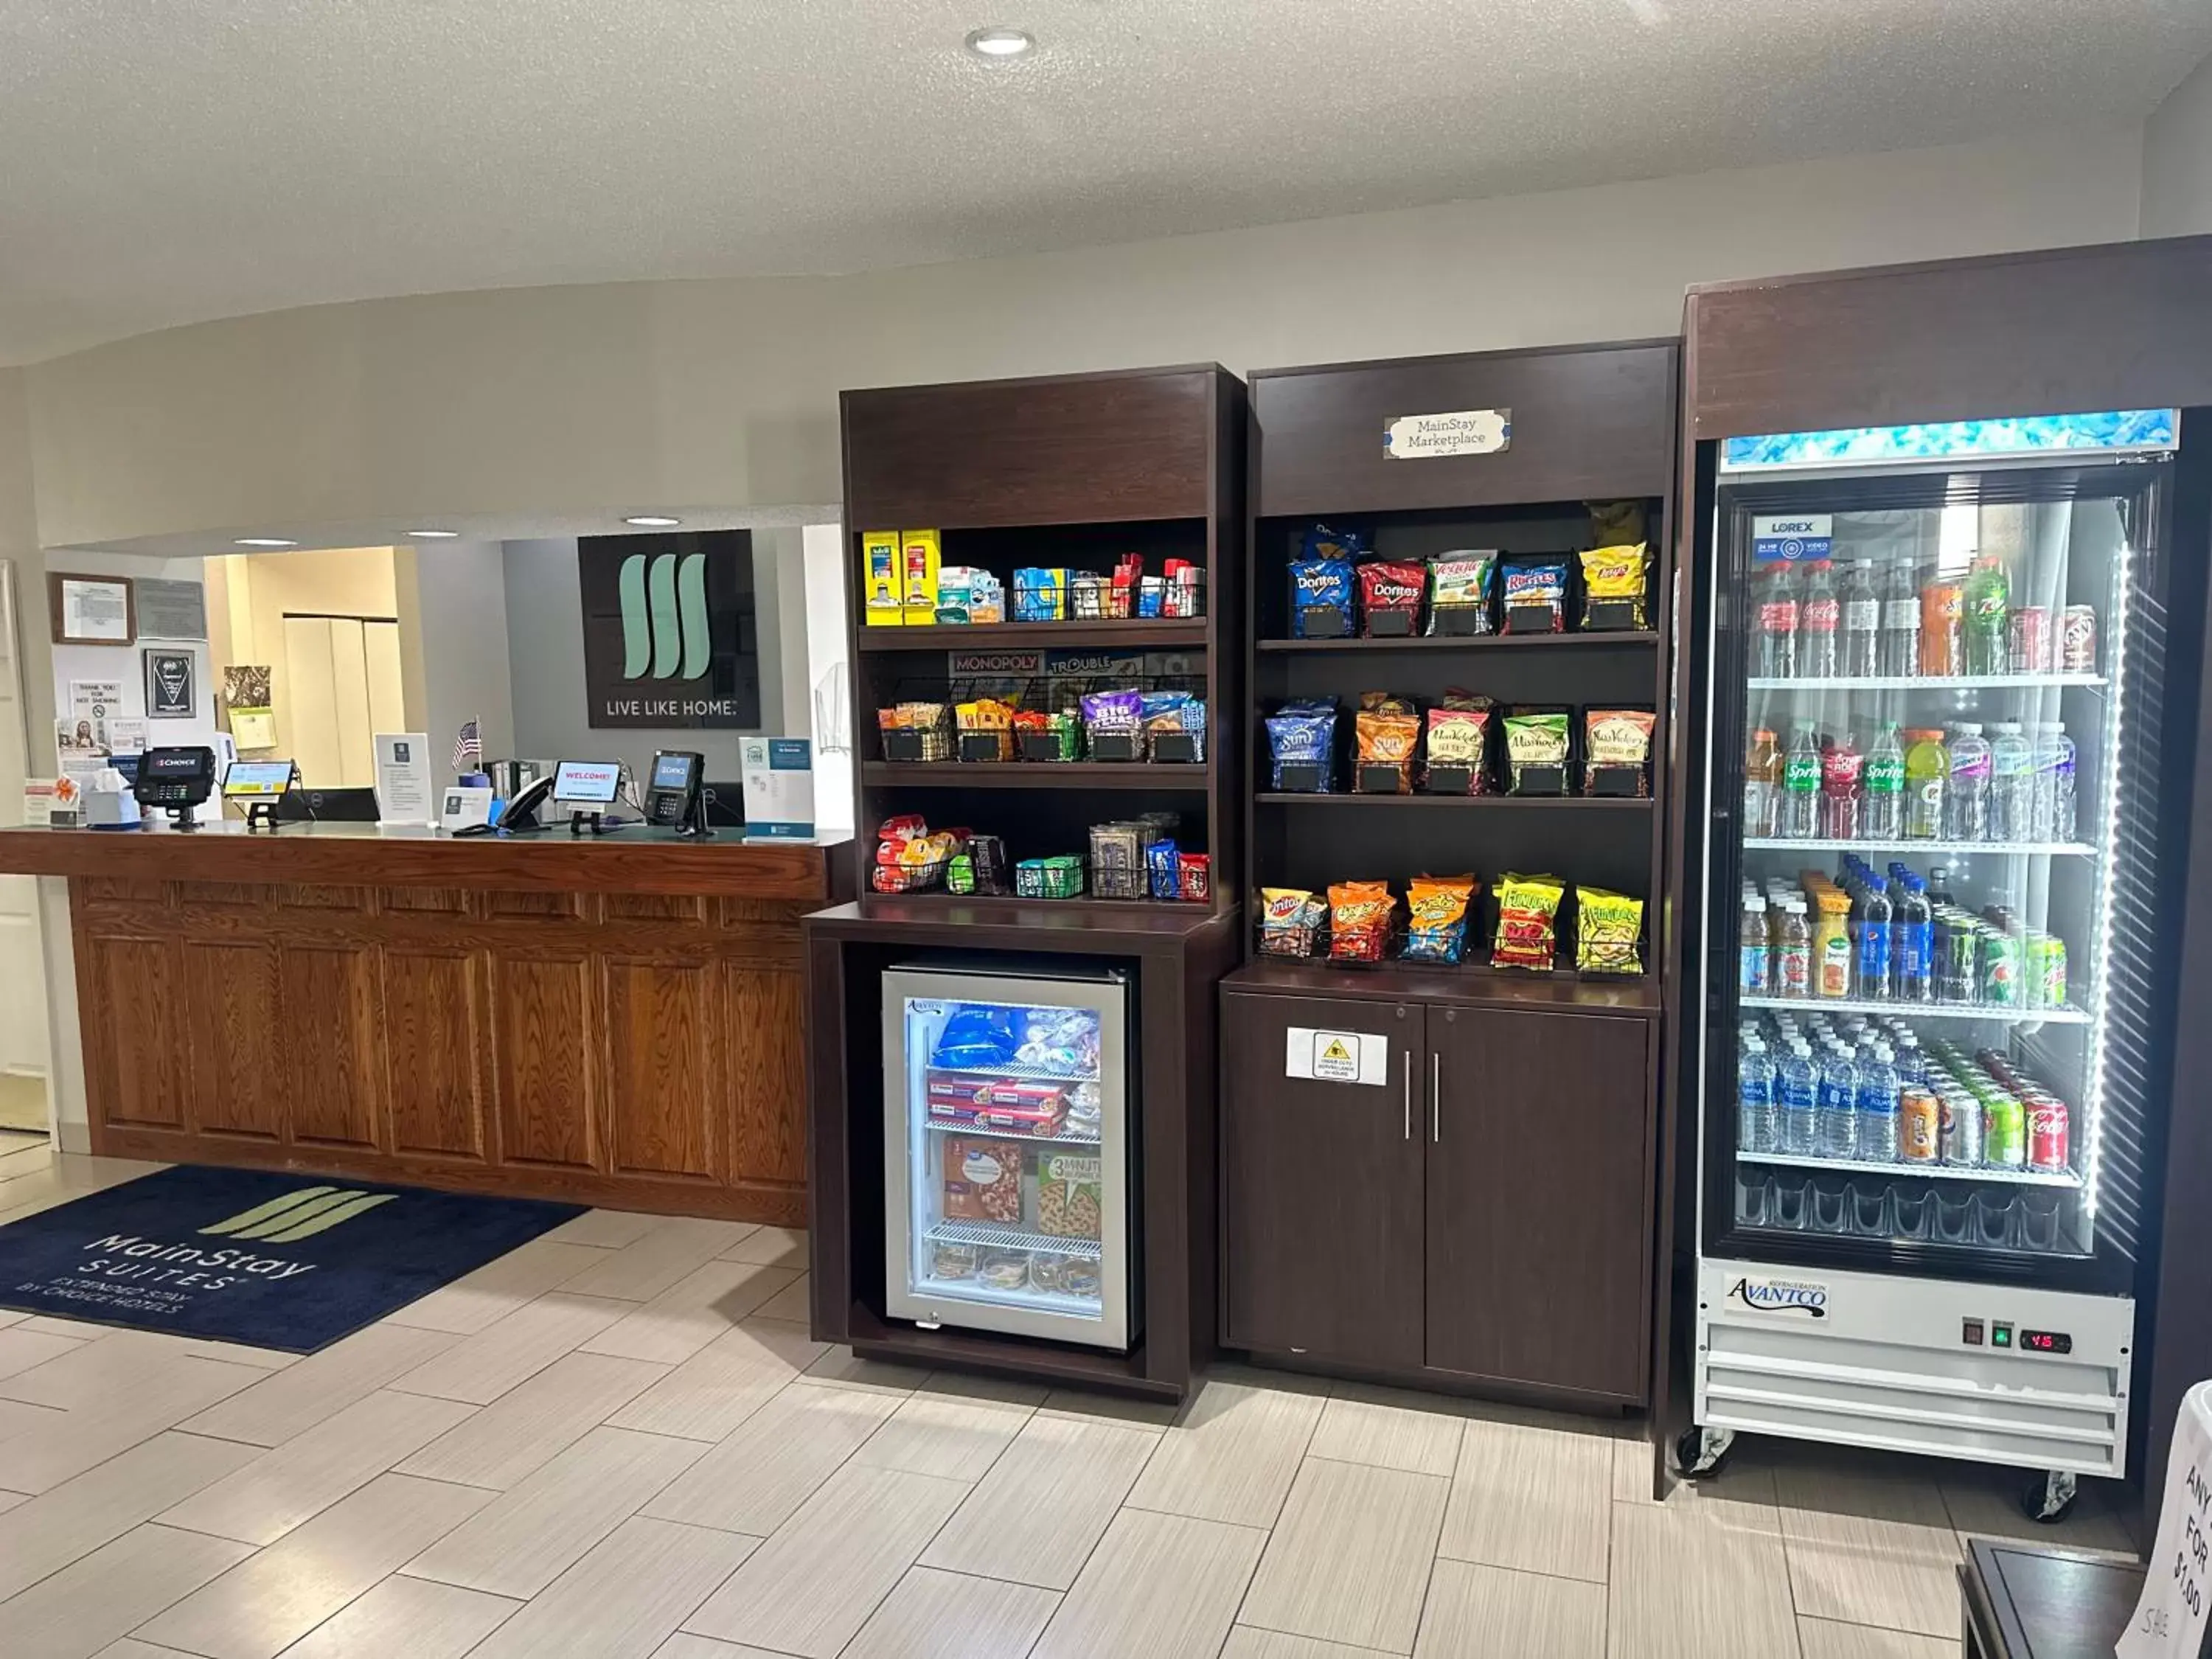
{"x": 2012, "y": 784}
{"x": 1911, "y": 1064}
{"x": 1800, "y": 1090}
{"x": 1970, "y": 783}
{"x": 1877, "y": 1106}
{"x": 1759, "y": 1124}
{"x": 1838, "y": 1103}
{"x": 2054, "y": 783}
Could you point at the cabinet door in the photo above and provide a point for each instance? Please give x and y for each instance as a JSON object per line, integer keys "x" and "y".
{"x": 1321, "y": 1180}
{"x": 1538, "y": 1183}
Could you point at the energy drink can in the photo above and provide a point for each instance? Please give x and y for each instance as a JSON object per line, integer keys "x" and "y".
{"x": 1919, "y": 1126}
{"x": 1961, "y": 1129}
{"x": 2005, "y": 1133}
{"x": 2000, "y": 969}
{"x": 2047, "y": 1133}
{"x": 1958, "y": 960}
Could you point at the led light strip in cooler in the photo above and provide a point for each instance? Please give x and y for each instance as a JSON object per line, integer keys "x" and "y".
{"x": 2116, "y": 637}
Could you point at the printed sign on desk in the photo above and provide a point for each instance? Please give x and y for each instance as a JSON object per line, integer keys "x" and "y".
{"x": 2170, "y": 1620}
{"x": 404, "y": 794}
{"x": 779, "y": 779}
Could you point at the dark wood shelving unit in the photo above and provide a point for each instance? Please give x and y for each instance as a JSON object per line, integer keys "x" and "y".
{"x": 1070, "y": 471}
{"x": 1426, "y": 1225}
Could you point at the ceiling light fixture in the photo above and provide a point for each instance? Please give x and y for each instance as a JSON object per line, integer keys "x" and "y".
{"x": 998, "y": 42}
{"x": 652, "y": 521}
{"x": 434, "y": 535}
{"x": 262, "y": 541}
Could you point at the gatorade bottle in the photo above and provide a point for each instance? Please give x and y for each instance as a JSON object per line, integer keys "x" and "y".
{"x": 1762, "y": 785}
{"x": 1970, "y": 782}
{"x": 1839, "y": 790}
{"x": 1927, "y": 784}
{"x": 1820, "y": 619}
{"x": 1989, "y": 619}
{"x": 1912, "y": 941}
{"x": 1777, "y": 626}
{"x": 1882, "y": 816}
{"x": 1801, "y": 784}
{"x": 1873, "y": 941}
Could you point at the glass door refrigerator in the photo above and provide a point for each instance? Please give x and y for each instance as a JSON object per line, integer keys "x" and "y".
{"x": 1008, "y": 1154}
{"x": 1933, "y": 905}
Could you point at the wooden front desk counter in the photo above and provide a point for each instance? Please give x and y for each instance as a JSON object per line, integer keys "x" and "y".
{"x": 617, "y": 1021}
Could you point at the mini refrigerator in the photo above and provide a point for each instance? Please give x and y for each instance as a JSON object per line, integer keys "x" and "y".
{"x": 1009, "y": 1157}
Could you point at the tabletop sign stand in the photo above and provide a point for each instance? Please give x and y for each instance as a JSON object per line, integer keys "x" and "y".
{"x": 2170, "y": 1621}
{"x": 596, "y": 822}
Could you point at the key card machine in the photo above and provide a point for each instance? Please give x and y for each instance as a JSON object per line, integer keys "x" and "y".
{"x": 672, "y": 798}
{"x": 176, "y": 781}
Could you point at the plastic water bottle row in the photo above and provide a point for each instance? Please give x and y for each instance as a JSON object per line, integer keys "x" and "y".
{"x": 1927, "y": 783}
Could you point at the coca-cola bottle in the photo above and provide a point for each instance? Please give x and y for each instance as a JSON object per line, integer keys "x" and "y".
{"x": 1820, "y": 619}
{"x": 1776, "y": 637}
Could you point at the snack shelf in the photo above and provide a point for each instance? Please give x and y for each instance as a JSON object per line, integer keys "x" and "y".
{"x": 2022, "y": 1177}
{"x": 1922, "y": 683}
{"x": 1469, "y": 641}
{"x": 940, "y": 637}
{"x": 1015, "y": 1071}
{"x": 1036, "y": 775}
{"x": 1065, "y": 1137}
{"x": 1438, "y": 981}
{"x": 2001, "y": 1015}
{"x": 1310, "y": 797}
{"x": 1946, "y": 849}
{"x": 992, "y": 1236}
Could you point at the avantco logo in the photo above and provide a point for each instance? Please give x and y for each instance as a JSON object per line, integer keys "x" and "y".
{"x": 1781, "y": 1296}
{"x": 664, "y": 616}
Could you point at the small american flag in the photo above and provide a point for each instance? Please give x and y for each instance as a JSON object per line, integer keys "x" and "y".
{"x": 468, "y": 747}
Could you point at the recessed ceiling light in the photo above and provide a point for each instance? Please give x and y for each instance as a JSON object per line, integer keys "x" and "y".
{"x": 999, "y": 41}
{"x": 262, "y": 541}
{"x": 652, "y": 521}
{"x": 434, "y": 535}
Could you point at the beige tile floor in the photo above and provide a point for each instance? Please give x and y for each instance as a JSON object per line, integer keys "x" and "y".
{"x": 619, "y": 1443}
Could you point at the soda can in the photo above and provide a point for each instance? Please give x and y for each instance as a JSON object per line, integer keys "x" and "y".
{"x": 1961, "y": 1129}
{"x": 2046, "y": 971}
{"x": 2077, "y": 639}
{"x": 2047, "y": 1127}
{"x": 1958, "y": 961}
{"x": 2000, "y": 969}
{"x": 2005, "y": 1133}
{"x": 2030, "y": 640}
{"x": 1919, "y": 1126}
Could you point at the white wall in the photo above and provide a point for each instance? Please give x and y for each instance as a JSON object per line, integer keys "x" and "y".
{"x": 124, "y": 662}
{"x": 2177, "y": 179}
{"x": 667, "y": 395}
{"x": 456, "y": 603}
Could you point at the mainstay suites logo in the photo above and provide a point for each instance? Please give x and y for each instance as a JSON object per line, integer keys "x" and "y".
{"x": 670, "y": 633}
{"x": 125, "y": 1257}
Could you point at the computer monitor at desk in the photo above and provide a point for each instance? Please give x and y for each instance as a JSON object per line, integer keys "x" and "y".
{"x": 354, "y": 806}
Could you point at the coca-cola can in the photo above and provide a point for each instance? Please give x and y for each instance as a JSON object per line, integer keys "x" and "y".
{"x": 2077, "y": 639}
{"x": 2030, "y": 640}
{"x": 2047, "y": 1135}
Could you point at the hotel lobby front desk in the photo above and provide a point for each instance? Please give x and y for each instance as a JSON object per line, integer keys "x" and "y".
{"x": 617, "y": 1021}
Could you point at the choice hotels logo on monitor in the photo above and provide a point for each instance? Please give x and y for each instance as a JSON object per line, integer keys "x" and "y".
{"x": 670, "y": 636}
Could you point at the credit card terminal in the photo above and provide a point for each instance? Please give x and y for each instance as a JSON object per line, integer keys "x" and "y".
{"x": 177, "y": 780}
{"x": 672, "y": 799}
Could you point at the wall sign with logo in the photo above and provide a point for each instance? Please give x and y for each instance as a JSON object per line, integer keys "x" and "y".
{"x": 1792, "y": 538}
{"x": 670, "y": 636}
{"x": 1457, "y": 432}
{"x": 172, "y": 693}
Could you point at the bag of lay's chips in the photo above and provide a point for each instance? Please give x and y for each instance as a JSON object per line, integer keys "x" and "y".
{"x": 1614, "y": 583}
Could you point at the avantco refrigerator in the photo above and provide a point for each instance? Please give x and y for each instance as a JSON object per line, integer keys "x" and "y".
{"x": 1933, "y": 898}
{"x": 1009, "y": 1154}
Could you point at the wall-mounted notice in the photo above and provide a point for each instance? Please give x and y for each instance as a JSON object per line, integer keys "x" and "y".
{"x": 171, "y": 610}
{"x": 1457, "y": 432}
{"x": 172, "y": 686}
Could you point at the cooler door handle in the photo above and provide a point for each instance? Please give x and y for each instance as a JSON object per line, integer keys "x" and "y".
{"x": 1436, "y": 1096}
{"x": 1406, "y": 1089}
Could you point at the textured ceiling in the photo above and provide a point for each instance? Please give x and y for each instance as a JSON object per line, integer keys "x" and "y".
{"x": 165, "y": 161}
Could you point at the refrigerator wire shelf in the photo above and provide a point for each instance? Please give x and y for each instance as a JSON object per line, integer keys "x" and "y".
{"x": 1015, "y": 1071}
{"x": 1922, "y": 681}
{"x": 2021, "y": 1177}
{"x": 1998, "y": 1013}
{"x": 1929, "y": 849}
{"x": 1068, "y": 1137}
{"x": 992, "y": 1236}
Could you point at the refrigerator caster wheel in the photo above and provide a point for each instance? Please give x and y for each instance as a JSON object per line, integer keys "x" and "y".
{"x": 2050, "y": 1499}
{"x": 1702, "y": 1452}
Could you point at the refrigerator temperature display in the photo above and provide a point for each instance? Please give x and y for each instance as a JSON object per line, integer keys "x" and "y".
{"x": 2045, "y": 1342}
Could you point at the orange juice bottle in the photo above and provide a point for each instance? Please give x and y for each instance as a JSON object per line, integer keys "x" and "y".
{"x": 1832, "y": 944}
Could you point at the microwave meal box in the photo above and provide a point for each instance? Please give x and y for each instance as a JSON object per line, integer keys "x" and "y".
{"x": 1036, "y": 1109}
{"x": 881, "y": 603}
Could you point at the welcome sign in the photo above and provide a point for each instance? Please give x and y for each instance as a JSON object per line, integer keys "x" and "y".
{"x": 275, "y": 1260}
{"x": 669, "y": 632}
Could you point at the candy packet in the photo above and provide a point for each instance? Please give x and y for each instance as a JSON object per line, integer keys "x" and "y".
{"x": 1536, "y": 595}
{"x": 1359, "y": 913}
{"x": 1614, "y": 583}
{"x": 1608, "y": 929}
{"x": 1436, "y": 917}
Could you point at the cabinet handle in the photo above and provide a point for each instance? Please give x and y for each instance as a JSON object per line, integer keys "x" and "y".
{"x": 1436, "y": 1098}
{"x": 1406, "y": 1090}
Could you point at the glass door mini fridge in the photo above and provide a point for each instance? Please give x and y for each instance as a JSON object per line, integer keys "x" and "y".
{"x": 1008, "y": 1153}
{"x": 1934, "y": 919}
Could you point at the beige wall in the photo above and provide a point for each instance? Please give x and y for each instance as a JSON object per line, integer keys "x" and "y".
{"x": 672, "y": 394}
{"x": 249, "y": 594}
{"x": 2176, "y": 187}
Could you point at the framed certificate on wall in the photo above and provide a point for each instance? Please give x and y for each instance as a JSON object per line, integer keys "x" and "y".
{"x": 92, "y": 610}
